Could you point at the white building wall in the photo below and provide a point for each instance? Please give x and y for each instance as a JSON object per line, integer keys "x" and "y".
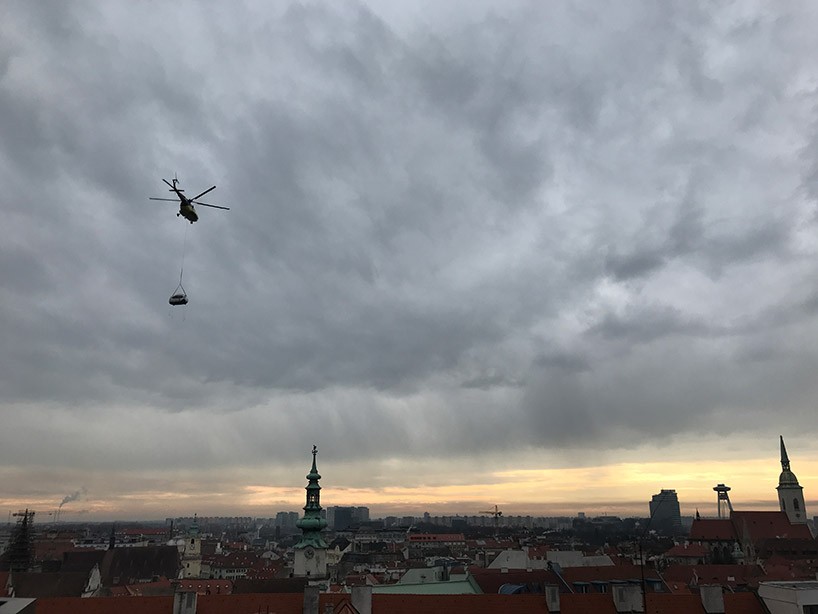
{"x": 788, "y": 597}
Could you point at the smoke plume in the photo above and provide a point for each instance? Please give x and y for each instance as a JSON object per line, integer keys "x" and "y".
{"x": 73, "y": 496}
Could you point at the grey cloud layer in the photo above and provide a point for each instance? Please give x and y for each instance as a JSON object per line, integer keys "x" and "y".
{"x": 524, "y": 225}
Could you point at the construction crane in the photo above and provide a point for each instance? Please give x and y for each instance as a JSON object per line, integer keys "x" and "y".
{"x": 21, "y": 545}
{"x": 496, "y": 513}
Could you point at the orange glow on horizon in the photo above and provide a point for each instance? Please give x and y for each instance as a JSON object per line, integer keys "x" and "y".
{"x": 618, "y": 489}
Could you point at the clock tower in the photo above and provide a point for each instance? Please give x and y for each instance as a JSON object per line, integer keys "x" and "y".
{"x": 310, "y": 553}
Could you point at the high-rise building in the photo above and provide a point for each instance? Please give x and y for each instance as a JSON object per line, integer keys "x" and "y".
{"x": 340, "y": 518}
{"x": 665, "y": 516}
{"x": 286, "y": 520}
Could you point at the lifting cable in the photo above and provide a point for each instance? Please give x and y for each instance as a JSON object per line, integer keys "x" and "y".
{"x": 179, "y": 296}
{"x": 182, "y": 268}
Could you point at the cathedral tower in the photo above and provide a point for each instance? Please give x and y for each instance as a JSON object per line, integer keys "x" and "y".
{"x": 192, "y": 551}
{"x": 790, "y": 492}
{"x": 310, "y": 553}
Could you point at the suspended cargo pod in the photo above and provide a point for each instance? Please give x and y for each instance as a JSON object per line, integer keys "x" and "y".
{"x": 179, "y": 296}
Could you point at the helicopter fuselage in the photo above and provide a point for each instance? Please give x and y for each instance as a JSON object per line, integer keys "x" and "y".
{"x": 187, "y": 211}
{"x": 186, "y": 208}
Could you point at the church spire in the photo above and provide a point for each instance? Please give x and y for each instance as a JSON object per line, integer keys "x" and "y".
{"x": 790, "y": 492}
{"x": 785, "y": 461}
{"x": 787, "y": 477}
{"x": 312, "y": 524}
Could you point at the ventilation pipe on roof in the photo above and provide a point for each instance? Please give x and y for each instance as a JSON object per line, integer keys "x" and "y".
{"x": 184, "y": 602}
{"x": 627, "y": 598}
{"x": 362, "y": 599}
{"x": 552, "y": 598}
{"x": 311, "y": 597}
{"x": 712, "y": 598}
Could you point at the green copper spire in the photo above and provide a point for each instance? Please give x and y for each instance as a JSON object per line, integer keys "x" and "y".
{"x": 312, "y": 524}
{"x": 193, "y": 530}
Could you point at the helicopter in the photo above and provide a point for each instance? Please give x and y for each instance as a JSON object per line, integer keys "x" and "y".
{"x": 186, "y": 208}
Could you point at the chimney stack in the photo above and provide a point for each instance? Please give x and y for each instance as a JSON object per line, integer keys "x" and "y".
{"x": 184, "y": 602}
{"x": 362, "y": 599}
{"x": 712, "y": 598}
{"x": 311, "y": 595}
{"x": 552, "y": 598}
{"x": 627, "y": 598}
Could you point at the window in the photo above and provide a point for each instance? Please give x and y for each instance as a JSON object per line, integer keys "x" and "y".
{"x": 795, "y": 504}
{"x": 810, "y": 609}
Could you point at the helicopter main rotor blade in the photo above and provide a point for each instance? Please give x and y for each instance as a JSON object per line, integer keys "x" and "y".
{"x": 203, "y": 193}
{"x": 170, "y": 200}
{"x": 168, "y": 182}
{"x": 214, "y": 206}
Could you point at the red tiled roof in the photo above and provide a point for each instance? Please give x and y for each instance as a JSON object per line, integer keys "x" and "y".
{"x": 148, "y": 589}
{"x": 235, "y": 559}
{"x": 206, "y": 586}
{"x": 780, "y": 568}
{"x": 743, "y": 603}
{"x": 436, "y": 537}
{"x": 734, "y": 603}
{"x": 490, "y": 580}
{"x": 726, "y": 575}
{"x": 693, "y": 551}
{"x": 538, "y": 552}
{"x": 52, "y": 549}
{"x": 130, "y": 565}
{"x": 105, "y": 605}
{"x": 607, "y": 573}
{"x": 712, "y": 529}
{"x": 293, "y": 603}
{"x": 51, "y": 584}
{"x": 145, "y": 531}
{"x": 768, "y": 525}
{"x": 404, "y": 604}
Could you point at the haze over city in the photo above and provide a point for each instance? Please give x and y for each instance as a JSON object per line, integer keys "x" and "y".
{"x": 553, "y": 257}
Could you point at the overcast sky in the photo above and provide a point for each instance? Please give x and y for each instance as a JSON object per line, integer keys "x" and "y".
{"x": 533, "y": 254}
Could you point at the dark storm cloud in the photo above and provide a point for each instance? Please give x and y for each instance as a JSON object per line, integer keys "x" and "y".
{"x": 523, "y": 225}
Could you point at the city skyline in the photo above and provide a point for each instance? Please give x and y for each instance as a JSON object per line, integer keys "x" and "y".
{"x": 695, "y": 495}
{"x": 526, "y": 254}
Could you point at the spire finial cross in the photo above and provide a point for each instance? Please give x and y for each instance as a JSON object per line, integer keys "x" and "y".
{"x": 314, "y": 450}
